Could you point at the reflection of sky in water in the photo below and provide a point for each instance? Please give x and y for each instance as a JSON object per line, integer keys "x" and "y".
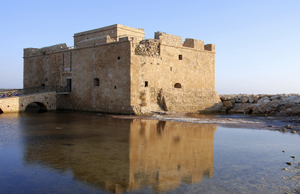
{"x": 87, "y": 153}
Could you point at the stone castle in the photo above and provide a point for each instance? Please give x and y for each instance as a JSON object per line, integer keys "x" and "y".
{"x": 115, "y": 70}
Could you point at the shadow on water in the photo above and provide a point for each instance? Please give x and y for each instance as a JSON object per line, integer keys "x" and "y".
{"x": 124, "y": 155}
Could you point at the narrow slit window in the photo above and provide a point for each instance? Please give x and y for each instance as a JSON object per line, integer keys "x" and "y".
{"x": 180, "y": 57}
{"x": 119, "y": 58}
{"x": 170, "y": 68}
{"x": 146, "y": 83}
{"x": 115, "y": 87}
{"x": 96, "y": 82}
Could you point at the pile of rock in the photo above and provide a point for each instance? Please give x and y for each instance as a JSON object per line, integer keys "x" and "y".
{"x": 281, "y": 104}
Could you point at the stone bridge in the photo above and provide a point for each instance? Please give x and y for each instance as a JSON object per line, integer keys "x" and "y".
{"x": 18, "y": 100}
{"x": 46, "y": 101}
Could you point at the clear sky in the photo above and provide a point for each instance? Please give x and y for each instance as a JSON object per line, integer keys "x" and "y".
{"x": 257, "y": 41}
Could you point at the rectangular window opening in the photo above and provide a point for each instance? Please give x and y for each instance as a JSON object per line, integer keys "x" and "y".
{"x": 170, "y": 68}
{"x": 115, "y": 87}
{"x": 180, "y": 57}
{"x": 119, "y": 58}
{"x": 146, "y": 83}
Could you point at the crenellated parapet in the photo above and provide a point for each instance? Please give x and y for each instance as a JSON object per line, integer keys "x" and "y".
{"x": 172, "y": 40}
{"x": 168, "y": 39}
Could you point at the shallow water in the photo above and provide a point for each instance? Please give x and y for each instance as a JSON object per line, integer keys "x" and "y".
{"x": 91, "y": 153}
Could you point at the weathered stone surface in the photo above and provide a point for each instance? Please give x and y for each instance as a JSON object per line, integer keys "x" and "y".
{"x": 129, "y": 70}
{"x": 227, "y": 104}
{"x": 251, "y": 99}
{"x": 244, "y": 99}
{"x": 295, "y": 100}
{"x": 277, "y": 97}
{"x": 295, "y": 110}
{"x": 19, "y": 104}
{"x": 283, "y": 104}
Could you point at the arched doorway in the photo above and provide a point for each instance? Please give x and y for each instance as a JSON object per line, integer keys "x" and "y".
{"x": 36, "y": 107}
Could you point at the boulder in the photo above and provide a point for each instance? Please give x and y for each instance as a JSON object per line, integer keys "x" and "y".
{"x": 251, "y": 99}
{"x": 295, "y": 110}
{"x": 277, "y": 97}
{"x": 295, "y": 99}
{"x": 245, "y": 99}
{"x": 227, "y": 104}
{"x": 289, "y": 104}
{"x": 241, "y": 108}
{"x": 255, "y": 108}
{"x": 236, "y": 99}
{"x": 264, "y": 103}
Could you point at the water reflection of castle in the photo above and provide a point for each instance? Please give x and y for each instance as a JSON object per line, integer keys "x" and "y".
{"x": 141, "y": 153}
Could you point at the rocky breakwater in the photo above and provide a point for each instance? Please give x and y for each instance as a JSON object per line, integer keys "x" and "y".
{"x": 280, "y": 104}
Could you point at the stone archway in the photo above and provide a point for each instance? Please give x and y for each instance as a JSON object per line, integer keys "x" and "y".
{"x": 36, "y": 107}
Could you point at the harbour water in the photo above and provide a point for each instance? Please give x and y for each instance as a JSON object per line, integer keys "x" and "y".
{"x": 65, "y": 152}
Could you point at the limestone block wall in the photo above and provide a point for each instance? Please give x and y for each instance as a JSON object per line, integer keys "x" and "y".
{"x": 45, "y": 69}
{"x": 94, "y": 41}
{"x": 193, "y": 43}
{"x": 110, "y": 65}
{"x": 191, "y": 69}
{"x": 42, "y": 51}
{"x": 113, "y": 31}
{"x": 168, "y": 39}
{"x": 19, "y": 104}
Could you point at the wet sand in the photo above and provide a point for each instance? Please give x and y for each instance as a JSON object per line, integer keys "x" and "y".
{"x": 264, "y": 122}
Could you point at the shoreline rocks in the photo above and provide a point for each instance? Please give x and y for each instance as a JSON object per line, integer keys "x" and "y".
{"x": 278, "y": 104}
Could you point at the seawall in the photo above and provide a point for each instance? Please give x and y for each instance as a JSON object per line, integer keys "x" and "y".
{"x": 274, "y": 104}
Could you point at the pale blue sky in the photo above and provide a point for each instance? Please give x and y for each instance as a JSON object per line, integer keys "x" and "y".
{"x": 257, "y": 42}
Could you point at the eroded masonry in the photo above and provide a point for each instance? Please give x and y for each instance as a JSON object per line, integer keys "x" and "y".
{"x": 115, "y": 70}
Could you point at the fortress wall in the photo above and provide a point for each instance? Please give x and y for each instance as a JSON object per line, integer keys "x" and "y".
{"x": 94, "y": 41}
{"x": 100, "y": 32}
{"x": 195, "y": 72}
{"x": 45, "y": 50}
{"x": 168, "y": 39}
{"x": 193, "y": 43}
{"x": 43, "y": 69}
{"x": 138, "y": 34}
{"x": 113, "y": 31}
{"x": 110, "y": 64}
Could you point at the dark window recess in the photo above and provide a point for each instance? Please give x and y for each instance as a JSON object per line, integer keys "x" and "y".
{"x": 96, "y": 82}
{"x": 115, "y": 87}
{"x": 43, "y": 85}
{"x": 119, "y": 58}
{"x": 170, "y": 68}
{"x": 177, "y": 85}
{"x": 146, "y": 84}
{"x": 69, "y": 85}
{"x": 180, "y": 57}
